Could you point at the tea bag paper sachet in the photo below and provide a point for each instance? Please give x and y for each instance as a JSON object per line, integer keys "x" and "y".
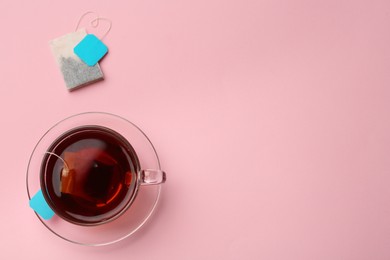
{"x": 76, "y": 73}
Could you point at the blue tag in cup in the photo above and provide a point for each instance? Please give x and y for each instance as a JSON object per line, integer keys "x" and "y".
{"x": 40, "y": 206}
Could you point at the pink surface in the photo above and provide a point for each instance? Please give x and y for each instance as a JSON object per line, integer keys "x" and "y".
{"x": 271, "y": 119}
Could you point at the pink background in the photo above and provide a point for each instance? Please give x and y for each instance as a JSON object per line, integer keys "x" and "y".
{"x": 271, "y": 119}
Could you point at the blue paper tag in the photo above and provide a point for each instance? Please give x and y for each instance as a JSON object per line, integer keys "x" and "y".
{"x": 90, "y": 49}
{"x": 40, "y": 206}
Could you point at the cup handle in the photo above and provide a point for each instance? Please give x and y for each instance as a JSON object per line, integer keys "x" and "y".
{"x": 152, "y": 177}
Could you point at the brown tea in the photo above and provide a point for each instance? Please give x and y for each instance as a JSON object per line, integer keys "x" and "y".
{"x": 88, "y": 175}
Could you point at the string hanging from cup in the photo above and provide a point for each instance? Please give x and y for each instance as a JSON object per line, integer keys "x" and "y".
{"x": 66, "y": 169}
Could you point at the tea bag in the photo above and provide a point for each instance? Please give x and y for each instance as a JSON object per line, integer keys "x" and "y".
{"x": 75, "y": 72}
{"x": 78, "y": 172}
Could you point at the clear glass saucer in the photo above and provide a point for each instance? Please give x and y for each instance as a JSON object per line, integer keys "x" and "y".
{"x": 138, "y": 213}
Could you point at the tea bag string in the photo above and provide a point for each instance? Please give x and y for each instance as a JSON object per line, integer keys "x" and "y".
{"x": 61, "y": 159}
{"x": 95, "y": 22}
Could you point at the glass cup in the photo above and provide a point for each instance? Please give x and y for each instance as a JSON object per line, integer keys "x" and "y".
{"x": 93, "y": 170}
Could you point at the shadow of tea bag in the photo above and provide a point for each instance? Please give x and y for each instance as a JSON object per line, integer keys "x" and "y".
{"x": 75, "y": 72}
